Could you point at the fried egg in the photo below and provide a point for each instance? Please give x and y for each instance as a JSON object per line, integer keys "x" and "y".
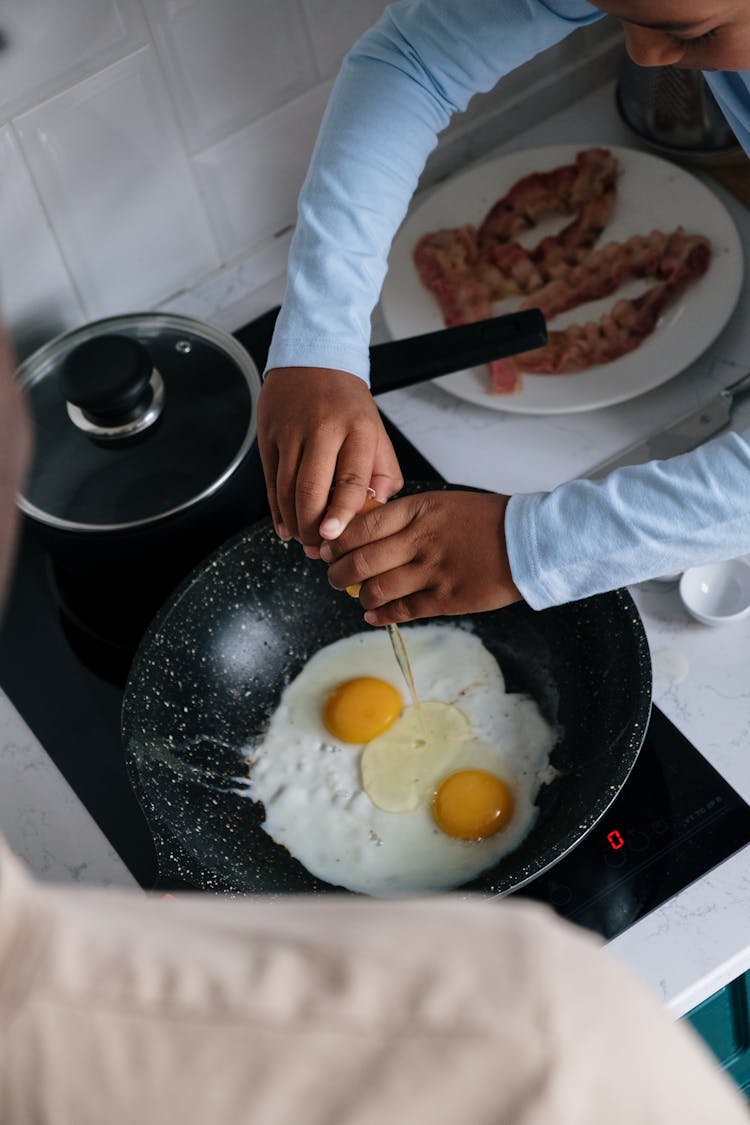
{"x": 387, "y": 799}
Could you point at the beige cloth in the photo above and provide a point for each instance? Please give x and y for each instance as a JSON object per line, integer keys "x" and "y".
{"x": 117, "y": 1008}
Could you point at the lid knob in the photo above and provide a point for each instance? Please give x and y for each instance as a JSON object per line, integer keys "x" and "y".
{"x": 111, "y": 387}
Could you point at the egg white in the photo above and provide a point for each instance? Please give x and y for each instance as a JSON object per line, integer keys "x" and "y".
{"x": 309, "y": 781}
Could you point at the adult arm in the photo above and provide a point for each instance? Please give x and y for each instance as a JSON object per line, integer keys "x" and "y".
{"x": 118, "y": 1007}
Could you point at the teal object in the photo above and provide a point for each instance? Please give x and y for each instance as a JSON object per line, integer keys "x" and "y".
{"x": 723, "y": 1021}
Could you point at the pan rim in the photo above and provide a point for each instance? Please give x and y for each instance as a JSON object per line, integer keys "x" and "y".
{"x": 622, "y": 605}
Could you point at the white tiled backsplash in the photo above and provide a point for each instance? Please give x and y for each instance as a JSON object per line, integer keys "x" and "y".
{"x": 146, "y": 145}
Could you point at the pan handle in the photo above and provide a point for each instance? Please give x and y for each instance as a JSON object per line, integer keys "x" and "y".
{"x": 401, "y": 363}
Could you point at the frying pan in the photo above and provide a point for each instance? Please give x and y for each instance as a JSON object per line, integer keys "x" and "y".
{"x": 210, "y": 670}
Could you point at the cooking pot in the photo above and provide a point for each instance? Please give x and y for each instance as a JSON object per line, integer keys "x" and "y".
{"x": 210, "y": 670}
{"x": 146, "y": 456}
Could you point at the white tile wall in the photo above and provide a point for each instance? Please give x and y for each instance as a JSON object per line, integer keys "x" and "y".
{"x": 335, "y": 24}
{"x": 53, "y": 43}
{"x": 105, "y": 154}
{"x": 253, "y": 177}
{"x": 229, "y": 61}
{"x": 146, "y": 145}
{"x": 36, "y": 291}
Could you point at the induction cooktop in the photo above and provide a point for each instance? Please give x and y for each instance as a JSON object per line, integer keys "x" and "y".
{"x": 675, "y": 818}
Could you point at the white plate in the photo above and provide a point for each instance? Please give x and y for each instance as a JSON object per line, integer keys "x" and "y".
{"x": 651, "y": 193}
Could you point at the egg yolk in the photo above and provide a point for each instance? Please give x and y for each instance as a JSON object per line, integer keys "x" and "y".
{"x": 471, "y": 804}
{"x": 361, "y": 709}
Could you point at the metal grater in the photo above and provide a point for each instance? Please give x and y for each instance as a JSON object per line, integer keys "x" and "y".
{"x": 672, "y": 109}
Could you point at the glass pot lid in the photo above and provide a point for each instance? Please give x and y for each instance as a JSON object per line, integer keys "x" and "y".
{"x": 136, "y": 417}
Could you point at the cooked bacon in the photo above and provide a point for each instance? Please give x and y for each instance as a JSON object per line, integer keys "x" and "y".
{"x": 686, "y": 254}
{"x": 619, "y": 331}
{"x": 557, "y": 192}
{"x": 572, "y": 244}
{"x": 463, "y": 301}
{"x": 505, "y": 377}
{"x": 468, "y": 268}
{"x": 446, "y": 254}
{"x": 601, "y": 273}
{"x": 509, "y": 268}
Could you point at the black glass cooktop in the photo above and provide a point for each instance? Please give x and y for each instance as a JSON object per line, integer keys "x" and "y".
{"x": 673, "y": 821}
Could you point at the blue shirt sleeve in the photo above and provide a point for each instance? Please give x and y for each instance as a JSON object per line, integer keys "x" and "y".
{"x": 732, "y": 91}
{"x": 641, "y": 522}
{"x": 397, "y": 89}
{"x": 586, "y": 537}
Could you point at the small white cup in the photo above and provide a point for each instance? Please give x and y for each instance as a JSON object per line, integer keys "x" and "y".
{"x": 717, "y": 593}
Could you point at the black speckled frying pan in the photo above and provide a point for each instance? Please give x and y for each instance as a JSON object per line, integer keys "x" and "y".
{"x": 210, "y": 670}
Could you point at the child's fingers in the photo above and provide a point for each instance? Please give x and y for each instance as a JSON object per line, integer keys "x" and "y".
{"x": 422, "y": 604}
{"x": 372, "y": 558}
{"x": 392, "y": 585}
{"x": 382, "y": 521}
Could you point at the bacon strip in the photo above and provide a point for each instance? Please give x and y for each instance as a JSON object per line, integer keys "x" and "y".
{"x": 560, "y": 191}
{"x": 619, "y": 331}
{"x": 602, "y": 272}
{"x": 445, "y": 255}
{"x": 468, "y": 268}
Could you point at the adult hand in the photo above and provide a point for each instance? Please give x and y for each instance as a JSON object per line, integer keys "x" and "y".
{"x": 322, "y": 444}
{"x": 15, "y": 452}
{"x": 425, "y": 555}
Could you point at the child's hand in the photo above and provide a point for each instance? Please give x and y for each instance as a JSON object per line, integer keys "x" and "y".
{"x": 322, "y": 444}
{"x": 425, "y": 555}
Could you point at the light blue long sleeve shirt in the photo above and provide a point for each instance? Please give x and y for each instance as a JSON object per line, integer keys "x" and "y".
{"x": 397, "y": 89}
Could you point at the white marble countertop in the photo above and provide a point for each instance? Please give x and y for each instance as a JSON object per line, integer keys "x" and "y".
{"x": 700, "y": 939}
